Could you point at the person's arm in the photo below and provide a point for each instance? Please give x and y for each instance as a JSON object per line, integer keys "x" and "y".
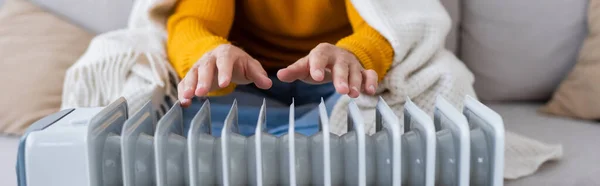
{"x": 195, "y": 28}
{"x": 371, "y": 48}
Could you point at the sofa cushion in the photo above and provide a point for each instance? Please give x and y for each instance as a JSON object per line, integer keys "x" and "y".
{"x": 521, "y": 50}
{"x": 453, "y": 8}
{"x": 8, "y": 157}
{"x": 97, "y": 16}
{"x": 36, "y": 48}
{"x": 578, "y": 95}
{"x": 579, "y": 139}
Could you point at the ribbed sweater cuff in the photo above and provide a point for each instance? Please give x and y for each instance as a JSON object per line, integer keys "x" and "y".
{"x": 192, "y": 51}
{"x": 373, "y": 53}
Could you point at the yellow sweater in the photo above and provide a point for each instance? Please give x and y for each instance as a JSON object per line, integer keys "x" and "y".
{"x": 275, "y": 32}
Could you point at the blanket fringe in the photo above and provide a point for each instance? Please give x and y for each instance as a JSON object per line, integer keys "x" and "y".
{"x": 123, "y": 63}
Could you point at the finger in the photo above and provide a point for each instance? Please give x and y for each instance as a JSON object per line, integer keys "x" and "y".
{"x": 190, "y": 81}
{"x": 240, "y": 69}
{"x": 340, "y": 78}
{"x": 258, "y": 75}
{"x": 318, "y": 60}
{"x": 355, "y": 78}
{"x": 298, "y": 70}
{"x": 370, "y": 81}
{"x": 186, "y": 87}
{"x": 185, "y": 103}
{"x": 206, "y": 72}
{"x": 225, "y": 62}
{"x": 180, "y": 89}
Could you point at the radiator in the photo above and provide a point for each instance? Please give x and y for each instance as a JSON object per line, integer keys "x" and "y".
{"x": 104, "y": 146}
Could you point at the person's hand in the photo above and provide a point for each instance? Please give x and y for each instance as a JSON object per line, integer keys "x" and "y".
{"x": 217, "y": 69}
{"x": 326, "y": 63}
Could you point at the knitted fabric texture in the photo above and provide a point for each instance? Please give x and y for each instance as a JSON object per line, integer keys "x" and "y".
{"x": 130, "y": 63}
{"x": 422, "y": 70}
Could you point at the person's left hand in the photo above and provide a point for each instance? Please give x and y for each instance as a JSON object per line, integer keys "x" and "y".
{"x": 326, "y": 63}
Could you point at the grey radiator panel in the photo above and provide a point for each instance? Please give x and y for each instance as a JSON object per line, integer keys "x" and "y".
{"x": 453, "y": 148}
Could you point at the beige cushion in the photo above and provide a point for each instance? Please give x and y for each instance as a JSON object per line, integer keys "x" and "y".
{"x": 521, "y": 49}
{"x": 579, "y": 94}
{"x": 97, "y": 16}
{"x": 36, "y": 48}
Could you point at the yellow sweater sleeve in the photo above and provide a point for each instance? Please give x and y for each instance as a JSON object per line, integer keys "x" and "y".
{"x": 370, "y": 47}
{"x": 196, "y": 27}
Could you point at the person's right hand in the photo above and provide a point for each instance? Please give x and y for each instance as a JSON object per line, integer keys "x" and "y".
{"x": 217, "y": 69}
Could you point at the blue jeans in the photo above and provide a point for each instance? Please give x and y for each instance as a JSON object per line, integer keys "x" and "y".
{"x": 278, "y": 98}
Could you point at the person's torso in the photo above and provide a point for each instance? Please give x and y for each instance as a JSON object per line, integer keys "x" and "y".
{"x": 279, "y": 32}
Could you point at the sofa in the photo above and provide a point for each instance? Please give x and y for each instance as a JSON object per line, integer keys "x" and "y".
{"x": 519, "y": 51}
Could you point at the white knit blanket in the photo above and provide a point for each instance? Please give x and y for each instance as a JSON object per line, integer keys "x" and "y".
{"x": 422, "y": 68}
{"x": 130, "y": 63}
{"x": 133, "y": 63}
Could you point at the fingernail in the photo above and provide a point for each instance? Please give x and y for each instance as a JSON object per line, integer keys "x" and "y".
{"x": 201, "y": 85}
{"x": 355, "y": 89}
{"x": 318, "y": 73}
{"x": 222, "y": 80}
{"x": 344, "y": 84}
{"x": 372, "y": 88}
{"x": 188, "y": 88}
